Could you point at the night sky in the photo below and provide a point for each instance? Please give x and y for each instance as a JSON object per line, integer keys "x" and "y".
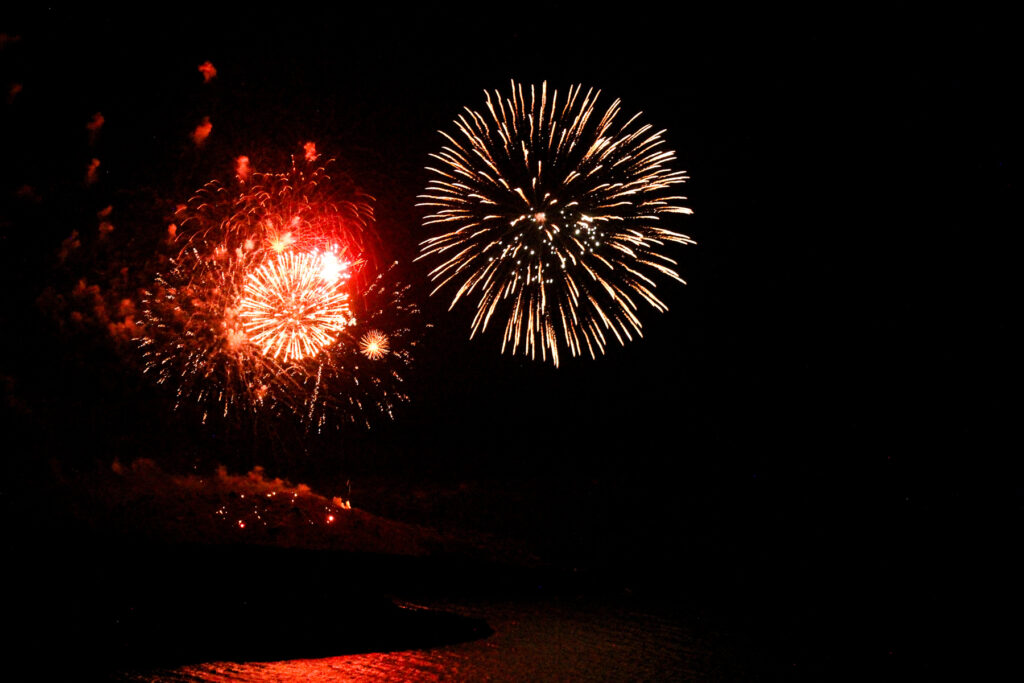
{"x": 836, "y": 362}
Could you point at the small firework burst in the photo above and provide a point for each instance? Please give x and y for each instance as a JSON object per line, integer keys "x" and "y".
{"x": 374, "y": 344}
{"x": 262, "y": 307}
{"x": 344, "y": 383}
{"x": 551, "y": 219}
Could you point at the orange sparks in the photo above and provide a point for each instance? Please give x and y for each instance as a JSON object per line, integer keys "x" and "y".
{"x": 202, "y": 131}
{"x": 289, "y": 311}
{"x": 281, "y": 242}
{"x": 374, "y": 345}
{"x": 208, "y": 70}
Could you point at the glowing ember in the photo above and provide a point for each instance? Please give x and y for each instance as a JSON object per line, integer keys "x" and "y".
{"x": 552, "y": 219}
{"x": 374, "y": 344}
{"x": 202, "y": 131}
{"x": 310, "y": 150}
{"x": 91, "y": 173}
{"x": 242, "y": 167}
{"x": 208, "y": 70}
{"x": 95, "y": 124}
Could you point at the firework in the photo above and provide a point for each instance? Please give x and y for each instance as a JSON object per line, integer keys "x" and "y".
{"x": 304, "y": 210}
{"x": 347, "y": 382}
{"x": 293, "y": 307}
{"x": 374, "y": 344}
{"x": 550, "y": 218}
{"x": 270, "y": 285}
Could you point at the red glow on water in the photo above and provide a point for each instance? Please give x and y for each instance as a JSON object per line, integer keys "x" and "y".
{"x": 550, "y": 640}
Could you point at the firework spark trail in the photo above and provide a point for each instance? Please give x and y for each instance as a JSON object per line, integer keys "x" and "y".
{"x": 262, "y": 307}
{"x": 551, "y": 215}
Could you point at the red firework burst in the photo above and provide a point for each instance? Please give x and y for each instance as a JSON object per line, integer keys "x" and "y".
{"x": 264, "y": 305}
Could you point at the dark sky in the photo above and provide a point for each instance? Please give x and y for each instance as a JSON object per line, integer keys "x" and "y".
{"x": 851, "y": 178}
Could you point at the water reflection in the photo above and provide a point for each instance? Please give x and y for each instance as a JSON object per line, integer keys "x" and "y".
{"x": 550, "y": 640}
